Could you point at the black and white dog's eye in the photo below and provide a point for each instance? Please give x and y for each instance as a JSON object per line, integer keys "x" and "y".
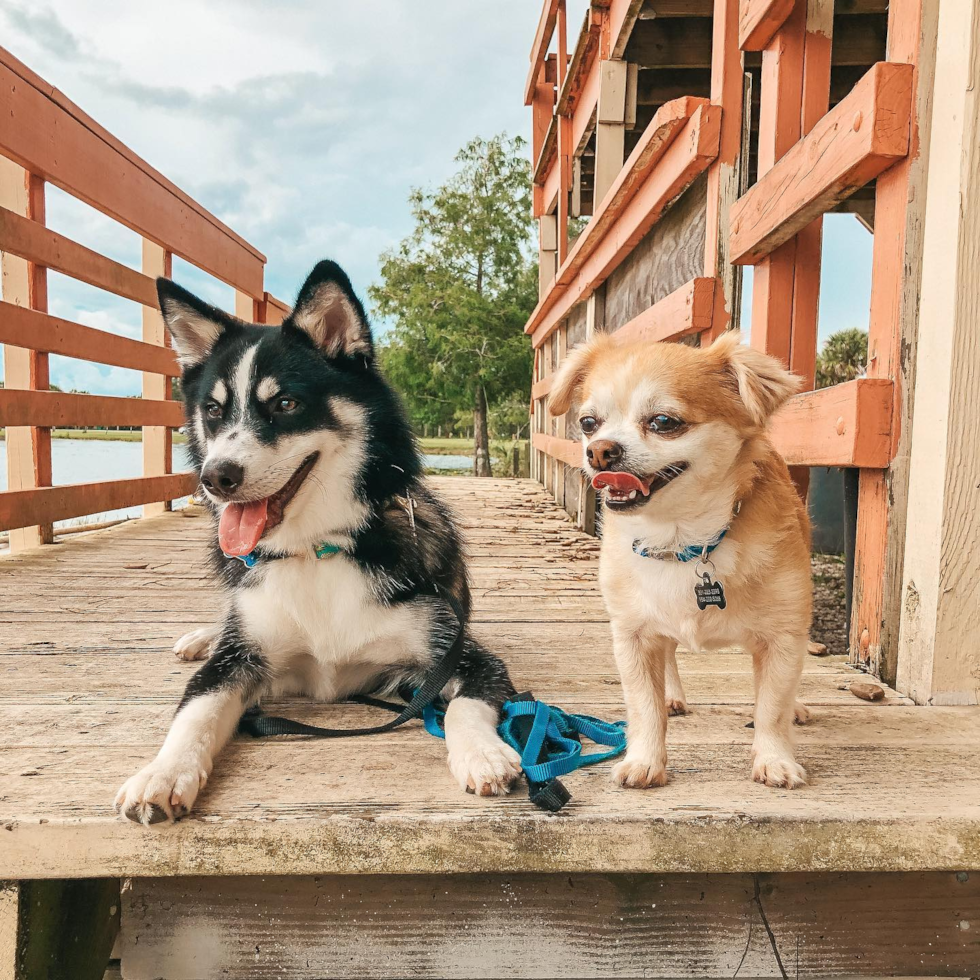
{"x": 285, "y": 405}
{"x": 665, "y": 423}
{"x": 588, "y": 424}
{"x": 215, "y": 411}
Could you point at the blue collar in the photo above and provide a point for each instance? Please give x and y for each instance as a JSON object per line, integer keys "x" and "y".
{"x": 693, "y": 552}
{"x": 253, "y": 557}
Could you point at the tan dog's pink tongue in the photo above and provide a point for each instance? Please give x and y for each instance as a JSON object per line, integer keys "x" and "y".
{"x": 241, "y": 526}
{"x": 619, "y": 481}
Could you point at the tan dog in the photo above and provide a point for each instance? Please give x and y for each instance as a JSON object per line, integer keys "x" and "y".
{"x": 674, "y": 439}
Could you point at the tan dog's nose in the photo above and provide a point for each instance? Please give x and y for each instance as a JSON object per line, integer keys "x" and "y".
{"x": 602, "y": 453}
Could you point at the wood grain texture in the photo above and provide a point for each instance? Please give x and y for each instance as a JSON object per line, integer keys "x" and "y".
{"x": 857, "y": 140}
{"x": 52, "y": 138}
{"x": 90, "y": 685}
{"x": 56, "y": 409}
{"x": 687, "y": 156}
{"x": 34, "y": 330}
{"x": 21, "y": 508}
{"x": 530, "y": 926}
{"x": 685, "y": 311}
{"x": 759, "y": 20}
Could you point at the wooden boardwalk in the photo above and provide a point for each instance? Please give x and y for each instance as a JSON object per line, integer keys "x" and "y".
{"x": 89, "y": 684}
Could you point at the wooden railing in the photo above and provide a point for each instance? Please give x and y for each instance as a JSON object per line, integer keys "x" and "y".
{"x": 810, "y": 160}
{"x": 44, "y": 139}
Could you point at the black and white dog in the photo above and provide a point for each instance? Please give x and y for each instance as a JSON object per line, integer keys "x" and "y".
{"x": 312, "y": 473}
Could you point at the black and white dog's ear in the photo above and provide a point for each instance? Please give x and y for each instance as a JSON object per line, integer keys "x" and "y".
{"x": 330, "y": 314}
{"x": 194, "y": 325}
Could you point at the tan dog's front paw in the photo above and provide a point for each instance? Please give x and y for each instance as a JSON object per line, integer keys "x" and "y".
{"x": 677, "y": 706}
{"x": 775, "y": 771}
{"x": 485, "y": 767}
{"x": 638, "y": 774}
{"x": 801, "y": 714}
{"x": 195, "y": 645}
{"x": 163, "y": 791}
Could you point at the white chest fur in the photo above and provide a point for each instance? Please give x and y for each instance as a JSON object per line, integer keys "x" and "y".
{"x": 321, "y": 628}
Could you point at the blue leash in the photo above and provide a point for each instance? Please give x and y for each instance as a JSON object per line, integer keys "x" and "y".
{"x": 549, "y": 741}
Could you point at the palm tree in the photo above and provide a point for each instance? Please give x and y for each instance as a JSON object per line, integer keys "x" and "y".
{"x": 843, "y": 358}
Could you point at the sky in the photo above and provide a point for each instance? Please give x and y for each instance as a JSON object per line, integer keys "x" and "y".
{"x": 303, "y": 124}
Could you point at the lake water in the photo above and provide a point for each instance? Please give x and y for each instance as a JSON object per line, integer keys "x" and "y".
{"x": 95, "y": 460}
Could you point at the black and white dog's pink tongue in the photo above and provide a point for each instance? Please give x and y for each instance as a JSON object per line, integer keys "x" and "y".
{"x": 623, "y": 482}
{"x": 241, "y": 526}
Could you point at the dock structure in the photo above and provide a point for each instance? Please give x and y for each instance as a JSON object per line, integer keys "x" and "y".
{"x": 676, "y": 140}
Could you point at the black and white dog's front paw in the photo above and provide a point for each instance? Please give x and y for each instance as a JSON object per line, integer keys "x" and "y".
{"x": 163, "y": 791}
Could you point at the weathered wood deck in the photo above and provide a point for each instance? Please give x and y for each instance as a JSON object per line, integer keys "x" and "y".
{"x": 90, "y": 683}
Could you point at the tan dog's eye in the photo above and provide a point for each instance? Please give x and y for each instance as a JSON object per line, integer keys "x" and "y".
{"x": 665, "y": 423}
{"x": 588, "y": 424}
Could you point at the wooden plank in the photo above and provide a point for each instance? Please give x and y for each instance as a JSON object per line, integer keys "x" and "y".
{"x": 685, "y": 311}
{"x": 759, "y": 20}
{"x": 539, "y": 49}
{"x": 565, "y": 144}
{"x": 528, "y": 926}
{"x": 30, "y": 329}
{"x": 20, "y": 508}
{"x": 684, "y": 159}
{"x": 51, "y": 137}
{"x": 273, "y": 311}
{"x": 861, "y": 137}
{"x": 941, "y": 608}
{"x": 32, "y": 241}
{"x": 25, "y": 284}
{"x": 610, "y": 134}
{"x": 583, "y": 57}
{"x": 724, "y": 174}
{"x": 541, "y": 388}
{"x": 846, "y": 425}
{"x": 157, "y": 440}
{"x": 566, "y": 450}
{"x": 55, "y": 409}
{"x": 900, "y": 200}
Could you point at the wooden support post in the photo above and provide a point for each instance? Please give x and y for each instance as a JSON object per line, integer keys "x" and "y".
{"x": 724, "y": 175}
{"x": 900, "y": 198}
{"x": 547, "y": 252}
{"x": 561, "y": 426}
{"x": 565, "y": 146}
{"x": 57, "y": 930}
{"x": 542, "y": 113}
{"x": 938, "y": 658}
{"x": 25, "y": 284}
{"x": 245, "y": 307}
{"x": 610, "y": 133}
{"x": 157, "y": 439}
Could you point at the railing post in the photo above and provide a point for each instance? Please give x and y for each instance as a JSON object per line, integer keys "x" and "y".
{"x": 610, "y": 131}
{"x": 157, "y": 439}
{"x": 25, "y": 284}
{"x": 246, "y": 307}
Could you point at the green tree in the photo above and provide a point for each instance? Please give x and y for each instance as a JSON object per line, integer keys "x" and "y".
{"x": 459, "y": 289}
{"x": 843, "y": 358}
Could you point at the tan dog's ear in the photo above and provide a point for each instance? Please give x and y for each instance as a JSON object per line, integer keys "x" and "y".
{"x": 763, "y": 383}
{"x": 572, "y": 374}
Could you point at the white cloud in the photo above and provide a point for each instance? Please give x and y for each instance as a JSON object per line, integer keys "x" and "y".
{"x": 302, "y": 125}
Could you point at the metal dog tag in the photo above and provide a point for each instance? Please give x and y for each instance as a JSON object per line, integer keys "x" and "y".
{"x": 709, "y": 593}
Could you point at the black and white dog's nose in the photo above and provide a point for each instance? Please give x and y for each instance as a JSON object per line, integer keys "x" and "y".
{"x": 222, "y": 477}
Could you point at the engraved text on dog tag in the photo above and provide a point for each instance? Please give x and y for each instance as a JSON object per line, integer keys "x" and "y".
{"x": 709, "y": 593}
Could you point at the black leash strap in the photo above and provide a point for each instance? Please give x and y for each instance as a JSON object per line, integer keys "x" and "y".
{"x": 260, "y": 725}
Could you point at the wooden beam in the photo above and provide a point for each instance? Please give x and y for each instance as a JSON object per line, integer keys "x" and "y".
{"x": 32, "y": 241}
{"x": 33, "y": 330}
{"x": 610, "y": 134}
{"x": 51, "y": 137}
{"x": 568, "y": 451}
{"x": 246, "y": 308}
{"x": 686, "y": 156}
{"x": 56, "y": 409}
{"x": 273, "y": 311}
{"x": 157, "y": 439}
{"x": 539, "y": 49}
{"x": 22, "y": 507}
{"x": 685, "y": 311}
{"x": 583, "y": 58}
{"x": 565, "y": 142}
{"x": 940, "y": 619}
{"x": 25, "y": 284}
{"x": 759, "y": 20}
{"x": 672, "y": 44}
{"x": 861, "y": 137}
{"x": 846, "y": 425}
{"x": 724, "y": 174}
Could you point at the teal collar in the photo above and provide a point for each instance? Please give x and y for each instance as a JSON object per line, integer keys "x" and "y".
{"x": 250, "y": 560}
{"x": 326, "y": 550}
{"x": 693, "y": 552}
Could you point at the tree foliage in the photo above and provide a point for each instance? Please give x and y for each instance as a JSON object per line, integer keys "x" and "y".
{"x": 460, "y": 287}
{"x": 843, "y": 358}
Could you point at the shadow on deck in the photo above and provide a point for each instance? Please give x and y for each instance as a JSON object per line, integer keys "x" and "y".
{"x": 90, "y": 684}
